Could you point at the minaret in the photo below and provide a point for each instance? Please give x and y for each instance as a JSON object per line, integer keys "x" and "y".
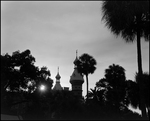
{"x": 57, "y": 85}
{"x": 76, "y": 80}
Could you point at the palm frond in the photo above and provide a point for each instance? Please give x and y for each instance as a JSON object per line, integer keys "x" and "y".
{"x": 121, "y": 18}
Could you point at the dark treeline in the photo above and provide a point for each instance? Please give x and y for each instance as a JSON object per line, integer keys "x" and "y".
{"x": 109, "y": 99}
{"x": 130, "y": 20}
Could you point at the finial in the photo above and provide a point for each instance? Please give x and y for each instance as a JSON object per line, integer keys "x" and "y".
{"x": 58, "y": 69}
{"x": 75, "y": 61}
{"x": 76, "y": 53}
{"x": 58, "y": 76}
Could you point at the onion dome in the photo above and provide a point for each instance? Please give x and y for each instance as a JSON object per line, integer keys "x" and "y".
{"x": 58, "y": 85}
{"x": 76, "y": 76}
{"x": 75, "y": 61}
{"x": 58, "y": 76}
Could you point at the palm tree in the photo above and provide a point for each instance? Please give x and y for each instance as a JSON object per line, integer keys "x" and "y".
{"x": 133, "y": 93}
{"x": 97, "y": 95}
{"x": 146, "y": 86}
{"x": 93, "y": 94}
{"x": 115, "y": 85}
{"x": 130, "y": 19}
{"x": 86, "y": 65}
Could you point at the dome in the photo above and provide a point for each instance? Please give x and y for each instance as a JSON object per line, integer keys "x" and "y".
{"x": 57, "y": 87}
{"x": 58, "y": 76}
{"x": 76, "y": 76}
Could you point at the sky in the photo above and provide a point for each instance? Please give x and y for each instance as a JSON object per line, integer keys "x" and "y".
{"x": 54, "y": 30}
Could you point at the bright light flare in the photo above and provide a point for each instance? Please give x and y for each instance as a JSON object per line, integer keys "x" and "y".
{"x": 42, "y": 88}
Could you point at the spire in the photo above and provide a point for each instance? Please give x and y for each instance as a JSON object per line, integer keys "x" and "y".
{"x": 76, "y": 53}
{"x": 58, "y": 76}
{"x": 76, "y": 75}
{"x": 58, "y": 85}
{"x": 76, "y": 58}
{"x": 58, "y": 70}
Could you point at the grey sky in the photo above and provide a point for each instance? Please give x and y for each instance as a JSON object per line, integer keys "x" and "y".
{"x": 54, "y": 30}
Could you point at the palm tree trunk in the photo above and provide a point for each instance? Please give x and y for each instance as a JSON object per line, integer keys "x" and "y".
{"x": 87, "y": 82}
{"x": 148, "y": 110}
{"x": 140, "y": 72}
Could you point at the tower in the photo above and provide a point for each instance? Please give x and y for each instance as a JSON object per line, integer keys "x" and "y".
{"x": 57, "y": 85}
{"x": 76, "y": 80}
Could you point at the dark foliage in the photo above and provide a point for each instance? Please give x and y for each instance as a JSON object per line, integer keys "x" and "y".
{"x": 124, "y": 17}
{"x": 106, "y": 100}
{"x": 86, "y": 65}
{"x": 133, "y": 91}
{"x": 19, "y": 79}
{"x": 114, "y": 86}
{"x": 130, "y": 19}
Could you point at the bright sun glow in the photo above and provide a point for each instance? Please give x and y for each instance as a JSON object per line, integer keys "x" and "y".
{"x": 42, "y": 88}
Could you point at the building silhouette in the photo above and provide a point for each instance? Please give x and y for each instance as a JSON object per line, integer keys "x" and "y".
{"x": 76, "y": 80}
{"x": 58, "y": 86}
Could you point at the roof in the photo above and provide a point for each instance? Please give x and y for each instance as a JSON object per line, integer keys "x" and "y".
{"x": 57, "y": 86}
{"x": 76, "y": 76}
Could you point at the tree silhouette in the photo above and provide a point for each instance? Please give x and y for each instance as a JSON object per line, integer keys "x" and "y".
{"x": 146, "y": 83}
{"x": 133, "y": 91}
{"x": 114, "y": 86}
{"x": 102, "y": 86}
{"x": 43, "y": 78}
{"x": 93, "y": 94}
{"x": 18, "y": 69}
{"x": 19, "y": 81}
{"x": 86, "y": 65}
{"x": 130, "y": 19}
